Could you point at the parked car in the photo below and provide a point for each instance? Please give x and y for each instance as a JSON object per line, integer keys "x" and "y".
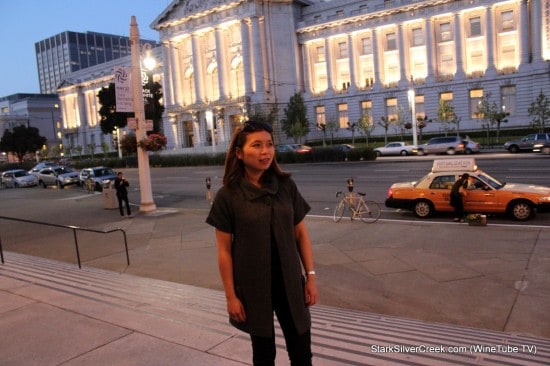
{"x": 542, "y": 148}
{"x": 38, "y": 167}
{"x": 59, "y": 176}
{"x": 297, "y": 148}
{"x": 344, "y": 147}
{"x": 396, "y": 148}
{"x": 442, "y": 145}
{"x": 100, "y": 175}
{"x": 527, "y": 143}
{"x": 16, "y": 178}
{"x": 471, "y": 147}
{"x": 432, "y": 192}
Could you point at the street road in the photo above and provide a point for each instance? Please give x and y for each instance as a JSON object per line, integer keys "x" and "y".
{"x": 184, "y": 187}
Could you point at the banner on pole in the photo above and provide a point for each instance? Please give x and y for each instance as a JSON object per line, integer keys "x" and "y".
{"x": 123, "y": 90}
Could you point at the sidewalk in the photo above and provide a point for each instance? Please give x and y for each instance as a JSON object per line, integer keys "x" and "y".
{"x": 388, "y": 283}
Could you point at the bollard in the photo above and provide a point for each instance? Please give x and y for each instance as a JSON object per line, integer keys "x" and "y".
{"x": 350, "y": 184}
{"x": 208, "y": 191}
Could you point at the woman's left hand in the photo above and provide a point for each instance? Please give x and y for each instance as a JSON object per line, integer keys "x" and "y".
{"x": 311, "y": 291}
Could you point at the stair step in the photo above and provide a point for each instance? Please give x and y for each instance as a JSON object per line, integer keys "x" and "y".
{"x": 340, "y": 336}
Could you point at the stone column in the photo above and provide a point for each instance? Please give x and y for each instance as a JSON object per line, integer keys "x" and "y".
{"x": 221, "y": 60}
{"x": 536, "y": 32}
{"x": 306, "y": 57}
{"x": 258, "y": 59}
{"x": 459, "y": 75}
{"x": 246, "y": 54}
{"x": 376, "y": 60}
{"x": 328, "y": 62}
{"x": 351, "y": 55}
{"x": 523, "y": 29}
{"x": 175, "y": 75}
{"x": 197, "y": 68}
{"x": 491, "y": 69}
{"x": 403, "y": 80}
{"x": 168, "y": 70}
{"x": 429, "y": 50}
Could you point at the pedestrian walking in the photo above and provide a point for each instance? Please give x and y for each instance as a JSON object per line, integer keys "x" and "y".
{"x": 121, "y": 185}
{"x": 264, "y": 249}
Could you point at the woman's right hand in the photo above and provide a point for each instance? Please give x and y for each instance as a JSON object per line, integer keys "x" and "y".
{"x": 235, "y": 309}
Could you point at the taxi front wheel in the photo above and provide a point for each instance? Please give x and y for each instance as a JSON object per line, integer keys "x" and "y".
{"x": 423, "y": 209}
{"x": 521, "y": 210}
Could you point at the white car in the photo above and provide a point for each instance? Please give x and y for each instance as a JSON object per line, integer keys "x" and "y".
{"x": 59, "y": 176}
{"x": 396, "y": 148}
{"x": 17, "y": 178}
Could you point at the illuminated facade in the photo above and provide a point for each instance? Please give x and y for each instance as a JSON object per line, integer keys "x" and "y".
{"x": 80, "y": 105}
{"x": 350, "y": 59}
{"x": 224, "y": 59}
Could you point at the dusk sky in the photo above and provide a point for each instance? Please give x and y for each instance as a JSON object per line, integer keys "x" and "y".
{"x": 25, "y": 22}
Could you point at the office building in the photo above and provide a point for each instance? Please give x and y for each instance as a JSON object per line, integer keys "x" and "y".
{"x": 68, "y": 51}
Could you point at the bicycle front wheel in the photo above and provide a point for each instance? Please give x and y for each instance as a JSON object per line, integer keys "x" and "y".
{"x": 368, "y": 211}
{"x": 339, "y": 211}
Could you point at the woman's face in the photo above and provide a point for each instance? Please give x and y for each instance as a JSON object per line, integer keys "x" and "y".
{"x": 257, "y": 152}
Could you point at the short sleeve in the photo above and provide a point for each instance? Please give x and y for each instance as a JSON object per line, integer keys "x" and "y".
{"x": 301, "y": 207}
{"x": 220, "y": 215}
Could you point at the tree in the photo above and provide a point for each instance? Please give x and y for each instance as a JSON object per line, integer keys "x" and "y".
{"x": 110, "y": 118}
{"x": 490, "y": 115}
{"x": 22, "y": 140}
{"x": 446, "y": 116}
{"x": 540, "y": 111}
{"x": 366, "y": 126}
{"x": 295, "y": 125}
{"x": 386, "y": 122}
{"x": 352, "y": 127}
{"x": 332, "y": 127}
{"x": 261, "y": 115}
{"x": 128, "y": 144}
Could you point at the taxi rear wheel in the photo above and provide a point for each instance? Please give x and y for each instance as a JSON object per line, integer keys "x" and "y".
{"x": 521, "y": 210}
{"x": 423, "y": 209}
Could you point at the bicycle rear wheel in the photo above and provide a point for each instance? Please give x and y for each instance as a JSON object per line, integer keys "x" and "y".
{"x": 368, "y": 211}
{"x": 339, "y": 211}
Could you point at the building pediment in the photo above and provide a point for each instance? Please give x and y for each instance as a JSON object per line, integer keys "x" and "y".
{"x": 181, "y": 10}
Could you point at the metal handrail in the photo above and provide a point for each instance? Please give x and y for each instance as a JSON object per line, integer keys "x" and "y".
{"x": 74, "y": 229}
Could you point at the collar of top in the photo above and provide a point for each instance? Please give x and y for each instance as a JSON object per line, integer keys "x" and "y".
{"x": 251, "y": 192}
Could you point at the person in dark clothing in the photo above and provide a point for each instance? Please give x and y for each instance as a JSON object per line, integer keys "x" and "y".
{"x": 458, "y": 192}
{"x": 264, "y": 250}
{"x": 121, "y": 185}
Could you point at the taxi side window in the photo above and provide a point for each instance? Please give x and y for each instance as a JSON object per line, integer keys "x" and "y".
{"x": 443, "y": 182}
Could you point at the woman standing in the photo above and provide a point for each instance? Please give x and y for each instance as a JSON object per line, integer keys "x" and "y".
{"x": 263, "y": 246}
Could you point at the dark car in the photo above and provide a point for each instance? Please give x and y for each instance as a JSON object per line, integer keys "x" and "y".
{"x": 100, "y": 176}
{"x": 344, "y": 147}
{"x": 527, "y": 143}
{"x": 296, "y": 148}
{"x": 59, "y": 176}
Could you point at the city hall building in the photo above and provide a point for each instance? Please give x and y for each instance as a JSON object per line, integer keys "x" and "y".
{"x": 223, "y": 60}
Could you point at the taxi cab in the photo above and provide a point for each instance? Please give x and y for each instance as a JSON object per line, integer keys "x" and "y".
{"x": 431, "y": 193}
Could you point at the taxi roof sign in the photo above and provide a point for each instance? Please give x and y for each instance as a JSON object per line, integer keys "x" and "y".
{"x": 451, "y": 165}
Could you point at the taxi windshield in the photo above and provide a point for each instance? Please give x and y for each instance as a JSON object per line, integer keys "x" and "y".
{"x": 495, "y": 183}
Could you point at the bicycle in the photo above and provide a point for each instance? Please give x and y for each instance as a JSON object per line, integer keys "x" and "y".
{"x": 89, "y": 185}
{"x": 366, "y": 211}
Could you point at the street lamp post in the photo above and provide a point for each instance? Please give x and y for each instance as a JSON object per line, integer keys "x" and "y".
{"x": 147, "y": 204}
{"x": 412, "y": 98}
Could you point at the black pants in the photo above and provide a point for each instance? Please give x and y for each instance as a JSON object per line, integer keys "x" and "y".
{"x": 298, "y": 346}
{"x": 125, "y": 199}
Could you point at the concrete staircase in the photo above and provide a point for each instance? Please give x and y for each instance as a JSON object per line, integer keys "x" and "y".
{"x": 195, "y": 319}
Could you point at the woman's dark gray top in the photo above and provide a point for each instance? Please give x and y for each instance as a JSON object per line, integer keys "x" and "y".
{"x": 254, "y": 216}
